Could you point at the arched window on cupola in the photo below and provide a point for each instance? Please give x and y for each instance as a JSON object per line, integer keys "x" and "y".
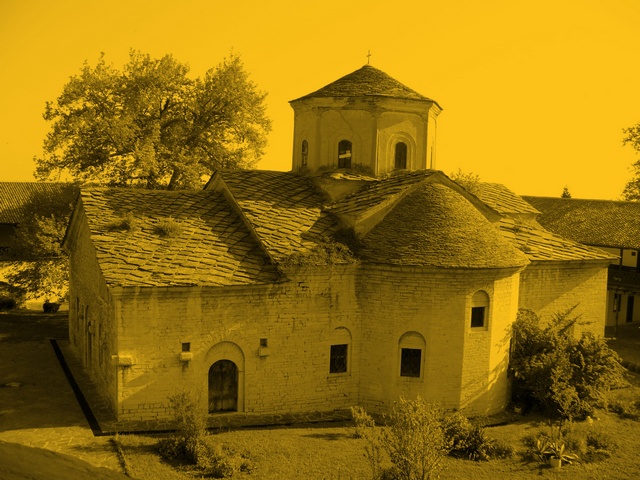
{"x": 401, "y": 156}
{"x": 305, "y": 153}
{"x": 344, "y": 154}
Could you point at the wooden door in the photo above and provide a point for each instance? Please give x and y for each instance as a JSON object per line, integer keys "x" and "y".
{"x": 223, "y": 387}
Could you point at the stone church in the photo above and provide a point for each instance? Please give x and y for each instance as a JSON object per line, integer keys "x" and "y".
{"x": 361, "y": 275}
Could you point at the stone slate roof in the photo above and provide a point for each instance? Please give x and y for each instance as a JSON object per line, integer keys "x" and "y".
{"x": 213, "y": 248}
{"x": 503, "y": 200}
{"x": 284, "y": 209}
{"x": 541, "y": 245}
{"x": 435, "y": 226}
{"x": 14, "y": 196}
{"x": 367, "y": 81}
{"x": 604, "y": 223}
{"x": 378, "y": 192}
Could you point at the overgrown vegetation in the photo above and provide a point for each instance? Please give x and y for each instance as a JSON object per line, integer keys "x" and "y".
{"x": 125, "y": 223}
{"x": 419, "y": 436}
{"x": 192, "y": 443}
{"x": 168, "y": 227}
{"x": 328, "y": 252}
{"x": 565, "y": 376}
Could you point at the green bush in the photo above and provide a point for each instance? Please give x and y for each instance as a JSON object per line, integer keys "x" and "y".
{"x": 7, "y": 303}
{"x": 565, "y": 376}
{"x": 415, "y": 440}
{"x": 362, "y": 420}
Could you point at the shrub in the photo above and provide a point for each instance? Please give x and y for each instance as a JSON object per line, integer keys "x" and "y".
{"x": 549, "y": 367}
{"x": 363, "y": 421}
{"x": 7, "y": 303}
{"x": 416, "y": 441}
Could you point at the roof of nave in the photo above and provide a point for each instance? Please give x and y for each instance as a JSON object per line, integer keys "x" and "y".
{"x": 284, "y": 210}
{"x": 434, "y": 225}
{"x": 247, "y": 225}
{"x": 367, "y": 81}
{"x": 212, "y": 246}
{"x": 15, "y": 197}
{"x": 606, "y": 223}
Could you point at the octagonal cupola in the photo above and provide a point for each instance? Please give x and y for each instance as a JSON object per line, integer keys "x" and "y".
{"x": 365, "y": 121}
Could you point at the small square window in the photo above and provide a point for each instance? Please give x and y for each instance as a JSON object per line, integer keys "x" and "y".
{"x": 186, "y": 347}
{"x": 477, "y": 317}
{"x": 338, "y": 361}
{"x": 264, "y": 342}
{"x": 410, "y": 362}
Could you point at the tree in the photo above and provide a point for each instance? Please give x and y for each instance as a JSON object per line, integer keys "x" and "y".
{"x": 631, "y": 190}
{"x": 151, "y": 125}
{"x": 469, "y": 181}
{"x": 567, "y": 377}
{"x": 39, "y": 264}
{"x": 565, "y": 192}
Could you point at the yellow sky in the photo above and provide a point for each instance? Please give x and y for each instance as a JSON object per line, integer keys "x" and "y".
{"x": 535, "y": 93}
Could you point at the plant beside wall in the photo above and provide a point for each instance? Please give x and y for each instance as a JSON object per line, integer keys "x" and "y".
{"x": 193, "y": 445}
{"x": 564, "y": 376}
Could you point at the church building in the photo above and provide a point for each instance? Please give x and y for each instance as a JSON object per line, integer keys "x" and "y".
{"x": 361, "y": 275}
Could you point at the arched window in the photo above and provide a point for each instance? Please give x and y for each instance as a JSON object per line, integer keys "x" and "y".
{"x": 412, "y": 354}
{"x": 401, "y": 156}
{"x": 305, "y": 152}
{"x": 223, "y": 387}
{"x": 480, "y": 309}
{"x": 339, "y": 351}
{"x": 344, "y": 154}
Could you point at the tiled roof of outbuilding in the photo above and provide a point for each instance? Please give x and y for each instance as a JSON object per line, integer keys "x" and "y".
{"x": 213, "y": 247}
{"x": 606, "y": 223}
{"x": 284, "y": 209}
{"x": 541, "y": 245}
{"x": 14, "y": 196}
{"x": 364, "y": 82}
{"x": 435, "y": 226}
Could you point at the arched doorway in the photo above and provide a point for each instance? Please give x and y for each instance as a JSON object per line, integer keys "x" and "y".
{"x": 223, "y": 387}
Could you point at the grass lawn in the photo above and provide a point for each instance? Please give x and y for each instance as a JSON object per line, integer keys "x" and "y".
{"x": 329, "y": 451}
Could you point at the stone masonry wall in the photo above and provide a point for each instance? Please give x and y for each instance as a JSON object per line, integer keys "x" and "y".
{"x": 548, "y": 289}
{"x": 460, "y": 366}
{"x": 92, "y": 332}
{"x": 297, "y": 319}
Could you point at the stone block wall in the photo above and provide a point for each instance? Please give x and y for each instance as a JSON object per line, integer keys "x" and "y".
{"x": 92, "y": 331}
{"x": 297, "y": 319}
{"x": 549, "y": 288}
{"x": 460, "y": 366}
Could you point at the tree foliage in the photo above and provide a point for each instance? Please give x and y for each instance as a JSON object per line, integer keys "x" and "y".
{"x": 40, "y": 265}
{"x": 565, "y": 192}
{"x": 153, "y": 126}
{"x": 632, "y": 188}
{"x": 567, "y": 377}
{"x": 469, "y": 181}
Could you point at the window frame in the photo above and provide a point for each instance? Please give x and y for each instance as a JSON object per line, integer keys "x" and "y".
{"x": 345, "y": 161}
{"x": 412, "y": 340}
{"x": 336, "y": 356}
{"x": 395, "y": 156}
{"x": 479, "y": 300}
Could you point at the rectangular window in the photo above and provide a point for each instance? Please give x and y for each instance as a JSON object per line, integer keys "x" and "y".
{"x": 410, "y": 362}
{"x": 338, "y": 361}
{"x": 186, "y": 347}
{"x": 477, "y": 317}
